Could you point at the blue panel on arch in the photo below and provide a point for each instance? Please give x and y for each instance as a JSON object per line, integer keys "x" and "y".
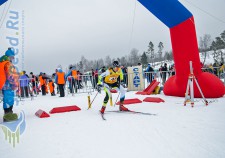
{"x": 170, "y": 12}
{"x": 2, "y": 2}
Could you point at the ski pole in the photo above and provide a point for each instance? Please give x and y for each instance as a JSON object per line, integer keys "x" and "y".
{"x": 116, "y": 99}
{"x": 110, "y": 98}
{"x": 89, "y": 106}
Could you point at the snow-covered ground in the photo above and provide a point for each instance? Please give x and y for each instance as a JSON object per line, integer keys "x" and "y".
{"x": 176, "y": 131}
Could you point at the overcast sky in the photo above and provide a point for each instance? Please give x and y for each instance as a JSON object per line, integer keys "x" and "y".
{"x": 60, "y": 32}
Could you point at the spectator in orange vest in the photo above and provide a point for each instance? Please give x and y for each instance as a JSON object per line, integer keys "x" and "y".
{"x": 72, "y": 78}
{"x": 8, "y": 83}
{"x": 42, "y": 80}
{"x": 51, "y": 87}
{"x": 60, "y": 80}
{"x": 45, "y": 82}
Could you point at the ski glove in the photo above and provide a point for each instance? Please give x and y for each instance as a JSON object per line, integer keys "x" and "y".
{"x": 99, "y": 88}
{"x": 123, "y": 84}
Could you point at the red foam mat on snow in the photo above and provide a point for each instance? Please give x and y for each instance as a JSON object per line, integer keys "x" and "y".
{"x": 42, "y": 114}
{"x": 153, "y": 99}
{"x": 130, "y": 101}
{"x": 64, "y": 109}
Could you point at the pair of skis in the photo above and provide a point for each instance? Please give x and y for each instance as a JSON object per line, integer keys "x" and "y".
{"x": 128, "y": 112}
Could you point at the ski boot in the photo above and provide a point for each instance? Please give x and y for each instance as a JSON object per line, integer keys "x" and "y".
{"x": 9, "y": 115}
{"x": 102, "y": 110}
{"x": 123, "y": 108}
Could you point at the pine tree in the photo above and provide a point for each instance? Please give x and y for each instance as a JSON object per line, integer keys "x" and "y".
{"x": 204, "y": 45}
{"x": 219, "y": 43}
{"x": 222, "y": 35}
{"x": 214, "y": 48}
{"x": 81, "y": 65}
{"x": 85, "y": 66}
{"x": 151, "y": 51}
{"x": 144, "y": 59}
{"x": 168, "y": 55}
{"x": 160, "y": 46}
{"x": 123, "y": 61}
{"x": 108, "y": 61}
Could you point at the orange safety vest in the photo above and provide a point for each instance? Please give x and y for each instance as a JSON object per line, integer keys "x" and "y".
{"x": 2, "y": 73}
{"x": 50, "y": 86}
{"x": 61, "y": 77}
{"x": 46, "y": 87}
{"x": 41, "y": 80}
{"x": 74, "y": 74}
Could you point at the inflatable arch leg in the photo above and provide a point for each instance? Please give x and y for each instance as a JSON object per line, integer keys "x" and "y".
{"x": 2, "y": 2}
{"x": 185, "y": 49}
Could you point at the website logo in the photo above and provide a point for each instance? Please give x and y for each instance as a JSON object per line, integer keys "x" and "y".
{"x": 13, "y": 130}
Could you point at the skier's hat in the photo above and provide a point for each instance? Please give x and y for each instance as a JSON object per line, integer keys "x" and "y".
{"x": 115, "y": 64}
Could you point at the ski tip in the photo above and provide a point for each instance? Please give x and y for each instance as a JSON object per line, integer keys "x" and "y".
{"x": 103, "y": 117}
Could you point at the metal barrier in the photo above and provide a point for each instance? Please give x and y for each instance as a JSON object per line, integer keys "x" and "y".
{"x": 162, "y": 76}
{"x": 88, "y": 83}
{"x": 81, "y": 84}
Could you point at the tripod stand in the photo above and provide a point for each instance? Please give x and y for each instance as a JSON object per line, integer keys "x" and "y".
{"x": 189, "y": 95}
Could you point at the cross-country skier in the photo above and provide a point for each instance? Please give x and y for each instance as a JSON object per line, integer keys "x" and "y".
{"x": 112, "y": 78}
{"x": 8, "y": 83}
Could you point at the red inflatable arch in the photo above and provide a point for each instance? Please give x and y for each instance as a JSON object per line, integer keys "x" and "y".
{"x": 185, "y": 49}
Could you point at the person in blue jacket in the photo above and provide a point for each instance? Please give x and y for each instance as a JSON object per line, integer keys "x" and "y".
{"x": 24, "y": 83}
{"x": 149, "y": 73}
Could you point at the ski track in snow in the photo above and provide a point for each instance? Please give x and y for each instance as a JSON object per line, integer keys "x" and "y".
{"x": 176, "y": 131}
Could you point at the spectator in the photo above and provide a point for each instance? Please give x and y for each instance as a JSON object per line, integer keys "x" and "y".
{"x": 24, "y": 81}
{"x": 34, "y": 81}
{"x": 215, "y": 67}
{"x": 103, "y": 69}
{"x": 93, "y": 78}
{"x": 60, "y": 80}
{"x": 221, "y": 70}
{"x": 160, "y": 71}
{"x": 96, "y": 76}
{"x": 9, "y": 83}
{"x": 79, "y": 80}
{"x": 72, "y": 77}
{"x": 164, "y": 72}
{"x": 42, "y": 81}
{"x": 125, "y": 75}
{"x": 149, "y": 73}
{"x": 51, "y": 87}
